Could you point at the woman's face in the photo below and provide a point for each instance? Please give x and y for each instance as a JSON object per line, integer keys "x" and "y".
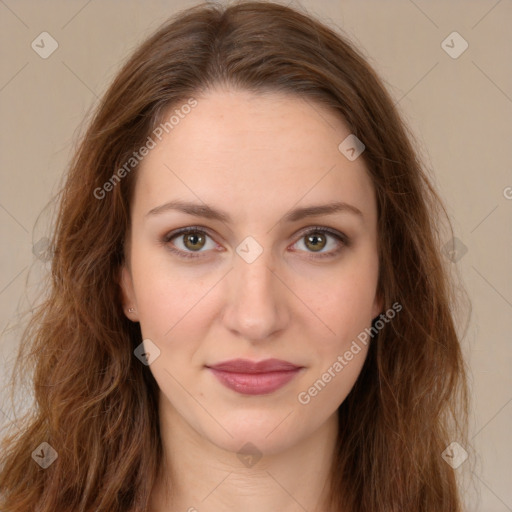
{"x": 260, "y": 284}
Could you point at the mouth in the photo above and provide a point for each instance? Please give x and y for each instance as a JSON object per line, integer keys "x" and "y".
{"x": 255, "y": 378}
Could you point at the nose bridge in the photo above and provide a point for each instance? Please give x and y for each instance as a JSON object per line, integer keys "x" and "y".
{"x": 255, "y": 306}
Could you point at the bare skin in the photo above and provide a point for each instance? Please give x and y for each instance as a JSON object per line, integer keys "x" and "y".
{"x": 256, "y": 157}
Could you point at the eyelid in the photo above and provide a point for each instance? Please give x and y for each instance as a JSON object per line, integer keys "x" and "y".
{"x": 324, "y": 229}
{"x": 188, "y": 229}
{"x": 341, "y": 237}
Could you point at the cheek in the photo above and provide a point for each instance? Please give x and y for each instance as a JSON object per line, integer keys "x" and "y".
{"x": 172, "y": 303}
{"x": 163, "y": 296}
{"x": 342, "y": 303}
{"x": 337, "y": 346}
{"x": 157, "y": 303}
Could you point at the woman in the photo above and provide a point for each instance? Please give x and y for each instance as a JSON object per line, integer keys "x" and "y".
{"x": 248, "y": 309}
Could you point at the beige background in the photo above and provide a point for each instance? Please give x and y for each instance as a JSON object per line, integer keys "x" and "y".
{"x": 460, "y": 109}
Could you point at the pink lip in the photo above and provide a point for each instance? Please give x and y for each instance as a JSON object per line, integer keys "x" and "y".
{"x": 251, "y": 378}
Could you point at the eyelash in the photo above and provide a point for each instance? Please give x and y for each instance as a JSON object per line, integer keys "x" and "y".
{"x": 341, "y": 237}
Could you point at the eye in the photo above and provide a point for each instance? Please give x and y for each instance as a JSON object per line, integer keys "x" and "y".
{"x": 317, "y": 238}
{"x": 193, "y": 239}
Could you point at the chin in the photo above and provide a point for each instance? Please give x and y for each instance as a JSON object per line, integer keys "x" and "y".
{"x": 250, "y": 438}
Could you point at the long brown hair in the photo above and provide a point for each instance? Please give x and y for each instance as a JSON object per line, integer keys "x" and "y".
{"x": 96, "y": 405}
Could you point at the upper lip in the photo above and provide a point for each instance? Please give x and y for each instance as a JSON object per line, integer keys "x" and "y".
{"x": 247, "y": 366}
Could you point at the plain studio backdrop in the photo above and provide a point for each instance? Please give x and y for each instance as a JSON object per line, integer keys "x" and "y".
{"x": 447, "y": 64}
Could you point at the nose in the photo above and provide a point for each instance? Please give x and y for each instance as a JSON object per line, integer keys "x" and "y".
{"x": 256, "y": 306}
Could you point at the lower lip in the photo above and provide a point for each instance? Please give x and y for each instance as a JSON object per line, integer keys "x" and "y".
{"x": 255, "y": 383}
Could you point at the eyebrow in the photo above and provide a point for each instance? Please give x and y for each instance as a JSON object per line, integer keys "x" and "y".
{"x": 208, "y": 212}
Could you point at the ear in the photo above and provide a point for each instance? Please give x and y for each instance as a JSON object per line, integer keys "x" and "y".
{"x": 378, "y": 305}
{"x": 128, "y": 294}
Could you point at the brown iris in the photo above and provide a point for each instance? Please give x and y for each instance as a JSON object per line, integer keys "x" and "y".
{"x": 313, "y": 239}
{"x": 194, "y": 239}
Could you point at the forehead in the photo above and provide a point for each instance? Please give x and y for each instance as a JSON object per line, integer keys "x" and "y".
{"x": 259, "y": 152}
